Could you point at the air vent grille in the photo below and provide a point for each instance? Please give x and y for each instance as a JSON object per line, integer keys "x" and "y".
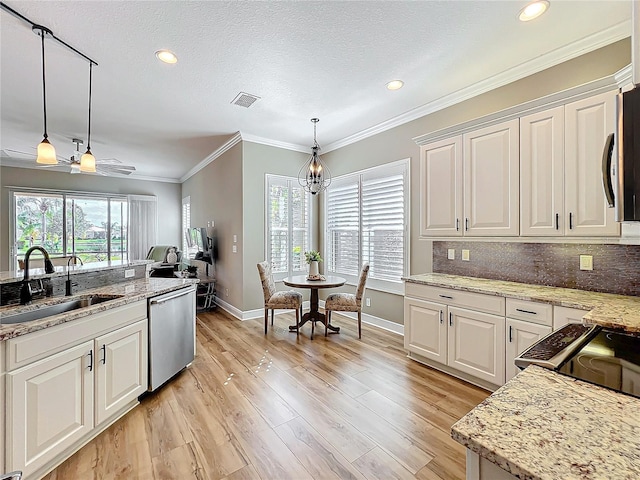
{"x": 245, "y": 99}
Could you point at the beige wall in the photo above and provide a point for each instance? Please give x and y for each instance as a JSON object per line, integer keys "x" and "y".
{"x": 216, "y": 194}
{"x": 397, "y": 143}
{"x": 168, "y": 198}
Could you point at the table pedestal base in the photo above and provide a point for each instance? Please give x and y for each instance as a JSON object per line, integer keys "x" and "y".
{"x": 313, "y": 315}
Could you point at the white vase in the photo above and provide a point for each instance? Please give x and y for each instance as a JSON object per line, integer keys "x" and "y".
{"x": 313, "y": 269}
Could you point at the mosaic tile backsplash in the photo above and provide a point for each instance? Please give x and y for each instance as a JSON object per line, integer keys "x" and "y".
{"x": 616, "y": 268}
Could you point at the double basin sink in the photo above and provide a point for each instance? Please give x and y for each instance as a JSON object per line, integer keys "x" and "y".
{"x": 55, "y": 309}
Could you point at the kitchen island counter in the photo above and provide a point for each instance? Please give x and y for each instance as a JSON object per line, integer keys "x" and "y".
{"x": 122, "y": 293}
{"x": 544, "y": 425}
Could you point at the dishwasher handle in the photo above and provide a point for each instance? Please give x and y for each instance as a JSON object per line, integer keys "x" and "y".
{"x": 181, "y": 293}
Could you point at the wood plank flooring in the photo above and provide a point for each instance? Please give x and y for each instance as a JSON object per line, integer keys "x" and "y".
{"x": 283, "y": 406}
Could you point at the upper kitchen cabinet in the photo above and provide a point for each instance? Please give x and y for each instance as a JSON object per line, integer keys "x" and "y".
{"x": 441, "y": 188}
{"x": 469, "y": 183}
{"x": 587, "y": 124}
{"x": 491, "y": 172}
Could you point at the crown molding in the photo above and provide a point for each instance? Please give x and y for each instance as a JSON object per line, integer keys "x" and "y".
{"x": 275, "y": 143}
{"x": 623, "y": 76}
{"x": 555, "y": 57}
{"x": 233, "y": 141}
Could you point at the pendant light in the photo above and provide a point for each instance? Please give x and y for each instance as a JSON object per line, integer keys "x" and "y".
{"x": 46, "y": 152}
{"x": 88, "y": 161}
{"x": 314, "y": 176}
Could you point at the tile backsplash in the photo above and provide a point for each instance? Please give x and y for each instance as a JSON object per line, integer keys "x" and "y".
{"x": 616, "y": 268}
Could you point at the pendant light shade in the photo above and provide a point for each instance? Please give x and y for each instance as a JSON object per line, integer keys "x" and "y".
{"x": 46, "y": 152}
{"x": 314, "y": 176}
{"x": 88, "y": 161}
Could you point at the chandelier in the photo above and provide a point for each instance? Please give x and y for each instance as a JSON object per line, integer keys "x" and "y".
{"x": 314, "y": 176}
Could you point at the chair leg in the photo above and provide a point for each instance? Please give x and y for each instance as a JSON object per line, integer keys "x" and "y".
{"x": 359, "y": 323}
{"x": 273, "y": 311}
{"x": 328, "y": 321}
{"x": 266, "y": 319}
{"x": 297, "y": 321}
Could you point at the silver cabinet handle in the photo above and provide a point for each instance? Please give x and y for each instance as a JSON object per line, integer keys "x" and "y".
{"x": 450, "y": 319}
{"x": 166, "y": 299}
{"x": 557, "y": 221}
{"x": 104, "y": 354}
{"x": 445, "y": 296}
{"x": 466, "y": 224}
{"x": 526, "y": 311}
{"x": 510, "y": 333}
{"x": 441, "y": 316}
{"x": 570, "y": 220}
{"x": 90, "y": 367}
{"x": 457, "y": 224}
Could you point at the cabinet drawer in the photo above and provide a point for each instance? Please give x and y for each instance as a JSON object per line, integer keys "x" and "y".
{"x": 34, "y": 346}
{"x": 473, "y": 301}
{"x": 534, "y": 312}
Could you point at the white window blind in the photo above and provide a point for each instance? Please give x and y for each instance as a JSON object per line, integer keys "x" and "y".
{"x": 288, "y": 226}
{"x": 367, "y": 221}
{"x": 186, "y": 224}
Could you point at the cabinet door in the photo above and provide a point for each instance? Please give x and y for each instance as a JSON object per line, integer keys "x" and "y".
{"x": 564, "y": 315}
{"x": 491, "y": 190}
{"x": 2, "y": 415}
{"x": 49, "y": 407}
{"x": 587, "y": 124}
{"x": 441, "y": 188}
{"x": 425, "y": 331}
{"x": 520, "y": 336}
{"x": 121, "y": 371}
{"x": 476, "y": 344}
{"x": 542, "y": 173}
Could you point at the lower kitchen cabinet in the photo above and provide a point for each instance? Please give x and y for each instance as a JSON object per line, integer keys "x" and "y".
{"x": 66, "y": 383}
{"x": 424, "y": 330}
{"x": 520, "y": 336}
{"x": 565, "y": 315}
{"x": 2, "y": 416}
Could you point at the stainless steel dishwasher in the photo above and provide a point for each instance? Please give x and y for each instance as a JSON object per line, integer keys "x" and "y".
{"x": 172, "y": 334}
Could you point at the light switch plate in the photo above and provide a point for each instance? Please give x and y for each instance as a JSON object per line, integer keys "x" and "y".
{"x": 465, "y": 255}
{"x": 451, "y": 254}
{"x": 586, "y": 262}
{"x": 235, "y": 249}
{"x": 235, "y": 239}
{"x": 129, "y": 273}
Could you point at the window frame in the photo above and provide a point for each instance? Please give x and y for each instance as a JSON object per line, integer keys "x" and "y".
{"x": 384, "y": 285}
{"x": 291, "y": 182}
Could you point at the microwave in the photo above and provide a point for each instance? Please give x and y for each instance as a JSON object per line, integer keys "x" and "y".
{"x": 622, "y": 179}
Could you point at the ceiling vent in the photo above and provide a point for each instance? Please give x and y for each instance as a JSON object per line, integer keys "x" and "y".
{"x": 244, "y": 99}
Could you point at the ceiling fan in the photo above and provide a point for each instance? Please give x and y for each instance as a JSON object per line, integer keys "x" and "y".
{"x": 105, "y": 166}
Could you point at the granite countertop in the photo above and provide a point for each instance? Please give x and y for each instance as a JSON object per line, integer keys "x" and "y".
{"x": 544, "y": 425}
{"x": 18, "y": 275}
{"x": 612, "y": 311}
{"x": 122, "y": 293}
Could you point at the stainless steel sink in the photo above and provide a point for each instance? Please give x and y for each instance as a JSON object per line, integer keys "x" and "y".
{"x": 56, "y": 309}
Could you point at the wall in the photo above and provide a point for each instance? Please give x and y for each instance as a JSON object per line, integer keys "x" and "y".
{"x": 168, "y": 198}
{"x": 257, "y": 161}
{"x": 397, "y": 143}
{"x": 216, "y": 194}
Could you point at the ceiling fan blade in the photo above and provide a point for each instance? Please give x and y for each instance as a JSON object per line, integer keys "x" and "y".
{"x": 119, "y": 167}
{"x": 111, "y": 161}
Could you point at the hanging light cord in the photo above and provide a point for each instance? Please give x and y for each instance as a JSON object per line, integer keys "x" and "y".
{"x": 89, "y": 130}
{"x": 44, "y": 88}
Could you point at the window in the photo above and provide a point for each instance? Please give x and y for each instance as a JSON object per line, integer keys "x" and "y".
{"x": 92, "y": 227}
{"x": 189, "y": 248}
{"x": 288, "y": 226}
{"x": 367, "y": 221}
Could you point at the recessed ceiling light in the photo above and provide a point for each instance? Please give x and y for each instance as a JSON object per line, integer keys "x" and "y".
{"x": 166, "y": 56}
{"x": 533, "y": 10}
{"x": 395, "y": 84}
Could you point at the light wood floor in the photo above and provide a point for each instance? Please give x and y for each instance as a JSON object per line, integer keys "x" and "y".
{"x": 279, "y": 406}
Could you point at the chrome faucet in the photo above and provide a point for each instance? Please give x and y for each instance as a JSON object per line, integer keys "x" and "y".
{"x": 26, "y": 293}
{"x": 68, "y": 284}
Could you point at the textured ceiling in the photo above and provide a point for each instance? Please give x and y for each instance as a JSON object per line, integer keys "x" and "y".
{"x": 305, "y": 59}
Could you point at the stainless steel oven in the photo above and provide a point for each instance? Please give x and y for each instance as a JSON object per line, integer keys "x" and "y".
{"x": 605, "y": 357}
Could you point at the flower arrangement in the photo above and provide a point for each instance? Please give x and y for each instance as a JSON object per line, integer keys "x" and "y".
{"x": 312, "y": 256}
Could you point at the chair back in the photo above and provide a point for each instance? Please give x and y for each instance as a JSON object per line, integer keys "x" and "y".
{"x": 363, "y": 279}
{"x": 268, "y": 285}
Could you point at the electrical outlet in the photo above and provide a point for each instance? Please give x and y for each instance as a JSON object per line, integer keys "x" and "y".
{"x": 451, "y": 254}
{"x": 226, "y": 292}
{"x": 368, "y": 302}
{"x": 129, "y": 273}
{"x": 234, "y": 249}
{"x": 465, "y": 255}
{"x": 586, "y": 262}
{"x": 235, "y": 239}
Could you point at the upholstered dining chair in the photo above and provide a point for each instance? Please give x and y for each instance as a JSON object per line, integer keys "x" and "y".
{"x": 287, "y": 300}
{"x": 347, "y": 302}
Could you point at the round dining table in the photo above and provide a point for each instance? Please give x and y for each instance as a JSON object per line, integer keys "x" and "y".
{"x": 313, "y": 315}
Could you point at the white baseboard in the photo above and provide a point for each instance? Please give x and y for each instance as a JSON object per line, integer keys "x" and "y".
{"x": 259, "y": 313}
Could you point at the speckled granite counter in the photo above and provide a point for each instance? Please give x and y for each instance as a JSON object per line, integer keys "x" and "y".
{"x": 543, "y": 425}
{"x": 122, "y": 293}
{"x": 613, "y": 311}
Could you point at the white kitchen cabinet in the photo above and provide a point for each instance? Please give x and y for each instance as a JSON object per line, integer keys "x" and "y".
{"x": 587, "y": 124}
{"x": 520, "y": 335}
{"x": 49, "y": 407}
{"x": 491, "y": 180}
{"x": 565, "y": 315}
{"x": 2, "y": 409}
{"x": 121, "y": 370}
{"x": 424, "y": 330}
{"x": 542, "y": 173}
{"x": 441, "y": 188}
